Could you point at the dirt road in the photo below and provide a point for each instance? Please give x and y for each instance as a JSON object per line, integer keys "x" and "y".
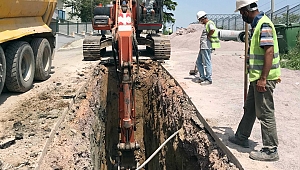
{"x": 26, "y": 120}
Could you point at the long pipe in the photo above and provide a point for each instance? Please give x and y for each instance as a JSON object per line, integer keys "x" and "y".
{"x": 245, "y": 62}
{"x": 157, "y": 150}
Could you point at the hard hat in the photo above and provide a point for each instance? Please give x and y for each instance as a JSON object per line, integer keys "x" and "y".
{"x": 242, "y": 3}
{"x": 200, "y": 14}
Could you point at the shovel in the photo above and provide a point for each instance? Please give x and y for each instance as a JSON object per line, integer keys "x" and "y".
{"x": 193, "y": 72}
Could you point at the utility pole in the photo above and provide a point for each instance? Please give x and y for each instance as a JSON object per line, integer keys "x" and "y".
{"x": 272, "y": 9}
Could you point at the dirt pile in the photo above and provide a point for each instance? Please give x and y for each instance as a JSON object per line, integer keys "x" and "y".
{"x": 190, "y": 37}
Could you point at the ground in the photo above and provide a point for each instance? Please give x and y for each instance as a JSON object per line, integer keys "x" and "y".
{"x": 28, "y": 121}
{"x": 222, "y": 102}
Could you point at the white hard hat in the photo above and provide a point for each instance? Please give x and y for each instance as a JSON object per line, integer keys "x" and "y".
{"x": 200, "y": 14}
{"x": 242, "y": 3}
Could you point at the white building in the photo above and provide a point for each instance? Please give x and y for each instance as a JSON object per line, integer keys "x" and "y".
{"x": 63, "y": 12}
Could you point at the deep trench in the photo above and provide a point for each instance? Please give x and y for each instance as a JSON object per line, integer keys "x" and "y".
{"x": 161, "y": 109}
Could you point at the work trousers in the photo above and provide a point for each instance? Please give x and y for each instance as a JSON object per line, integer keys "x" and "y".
{"x": 204, "y": 63}
{"x": 260, "y": 105}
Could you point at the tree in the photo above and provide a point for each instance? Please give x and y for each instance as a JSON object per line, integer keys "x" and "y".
{"x": 83, "y": 9}
{"x": 168, "y": 17}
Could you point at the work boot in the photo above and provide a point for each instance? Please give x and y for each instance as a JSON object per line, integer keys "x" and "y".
{"x": 200, "y": 80}
{"x": 237, "y": 141}
{"x": 206, "y": 82}
{"x": 265, "y": 154}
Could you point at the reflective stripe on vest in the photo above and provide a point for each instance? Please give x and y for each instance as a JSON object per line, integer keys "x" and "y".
{"x": 215, "y": 42}
{"x": 257, "y": 54}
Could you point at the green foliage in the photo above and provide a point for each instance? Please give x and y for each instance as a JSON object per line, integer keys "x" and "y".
{"x": 83, "y": 9}
{"x": 169, "y": 5}
{"x": 168, "y": 17}
{"x": 292, "y": 59}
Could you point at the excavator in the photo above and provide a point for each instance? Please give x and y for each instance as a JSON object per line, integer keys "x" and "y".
{"x": 142, "y": 20}
{"x": 126, "y": 20}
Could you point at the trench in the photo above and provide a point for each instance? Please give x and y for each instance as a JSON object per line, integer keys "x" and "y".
{"x": 162, "y": 108}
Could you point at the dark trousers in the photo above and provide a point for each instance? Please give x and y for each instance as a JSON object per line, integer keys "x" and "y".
{"x": 260, "y": 105}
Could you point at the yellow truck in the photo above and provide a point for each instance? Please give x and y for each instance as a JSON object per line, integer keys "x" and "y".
{"x": 26, "y": 42}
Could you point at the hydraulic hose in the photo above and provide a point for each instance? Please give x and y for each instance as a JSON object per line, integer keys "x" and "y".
{"x": 136, "y": 50}
{"x": 157, "y": 150}
{"x": 115, "y": 60}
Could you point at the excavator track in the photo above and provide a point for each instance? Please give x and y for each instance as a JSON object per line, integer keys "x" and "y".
{"x": 158, "y": 46}
{"x": 162, "y": 47}
{"x": 94, "y": 47}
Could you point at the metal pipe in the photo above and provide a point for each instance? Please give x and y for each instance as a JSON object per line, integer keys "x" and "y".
{"x": 154, "y": 153}
{"x": 245, "y": 62}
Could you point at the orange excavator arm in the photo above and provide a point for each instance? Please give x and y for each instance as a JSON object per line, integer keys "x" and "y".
{"x": 123, "y": 40}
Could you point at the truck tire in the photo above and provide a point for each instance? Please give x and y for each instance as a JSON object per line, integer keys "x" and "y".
{"x": 20, "y": 66}
{"x": 2, "y": 69}
{"x": 43, "y": 59}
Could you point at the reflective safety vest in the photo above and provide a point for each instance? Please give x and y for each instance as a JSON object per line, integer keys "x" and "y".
{"x": 215, "y": 42}
{"x": 257, "y": 54}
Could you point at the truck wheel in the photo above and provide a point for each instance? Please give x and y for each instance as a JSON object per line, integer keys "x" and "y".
{"x": 43, "y": 59}
{"x": 20, "y": 66}
{"x": 2, "y": 69}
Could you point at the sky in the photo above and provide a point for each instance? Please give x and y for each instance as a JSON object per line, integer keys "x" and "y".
{"x": 186, "y": 10}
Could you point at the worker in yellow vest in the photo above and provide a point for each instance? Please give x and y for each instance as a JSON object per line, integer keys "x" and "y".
{"x": 264, "y": 73}
{"x": 209, "y": 40}
{"x": 170, "y": 31}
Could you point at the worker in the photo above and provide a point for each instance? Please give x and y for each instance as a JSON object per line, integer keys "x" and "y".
{"x": 170, "y": 31}
{"x": 148, "y": 7}
{"x": 208, "y": 41}
{"x": 264, "y": 72}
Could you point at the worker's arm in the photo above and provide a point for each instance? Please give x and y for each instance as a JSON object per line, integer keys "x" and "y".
{"x": 210, "y": 33}
{"x": 142, "y": 4}
{"x": 211, "y": 30}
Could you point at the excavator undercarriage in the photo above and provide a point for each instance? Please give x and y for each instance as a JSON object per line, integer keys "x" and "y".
{"x": 158, "y": 47}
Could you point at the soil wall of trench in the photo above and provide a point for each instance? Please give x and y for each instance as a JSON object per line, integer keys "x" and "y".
{"x": 88, "y": 136}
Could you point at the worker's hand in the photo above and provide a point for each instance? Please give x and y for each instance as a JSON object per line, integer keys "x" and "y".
{"x": 209, "y": 37}
{"x": 261, "y": 85}
{"x": 278, "y": 80}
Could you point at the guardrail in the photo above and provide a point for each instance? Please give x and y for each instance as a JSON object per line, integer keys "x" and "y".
{"x": 284, "y": 15}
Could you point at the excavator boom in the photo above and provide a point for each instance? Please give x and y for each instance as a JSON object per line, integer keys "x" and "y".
{"x": 124, "y": 21}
